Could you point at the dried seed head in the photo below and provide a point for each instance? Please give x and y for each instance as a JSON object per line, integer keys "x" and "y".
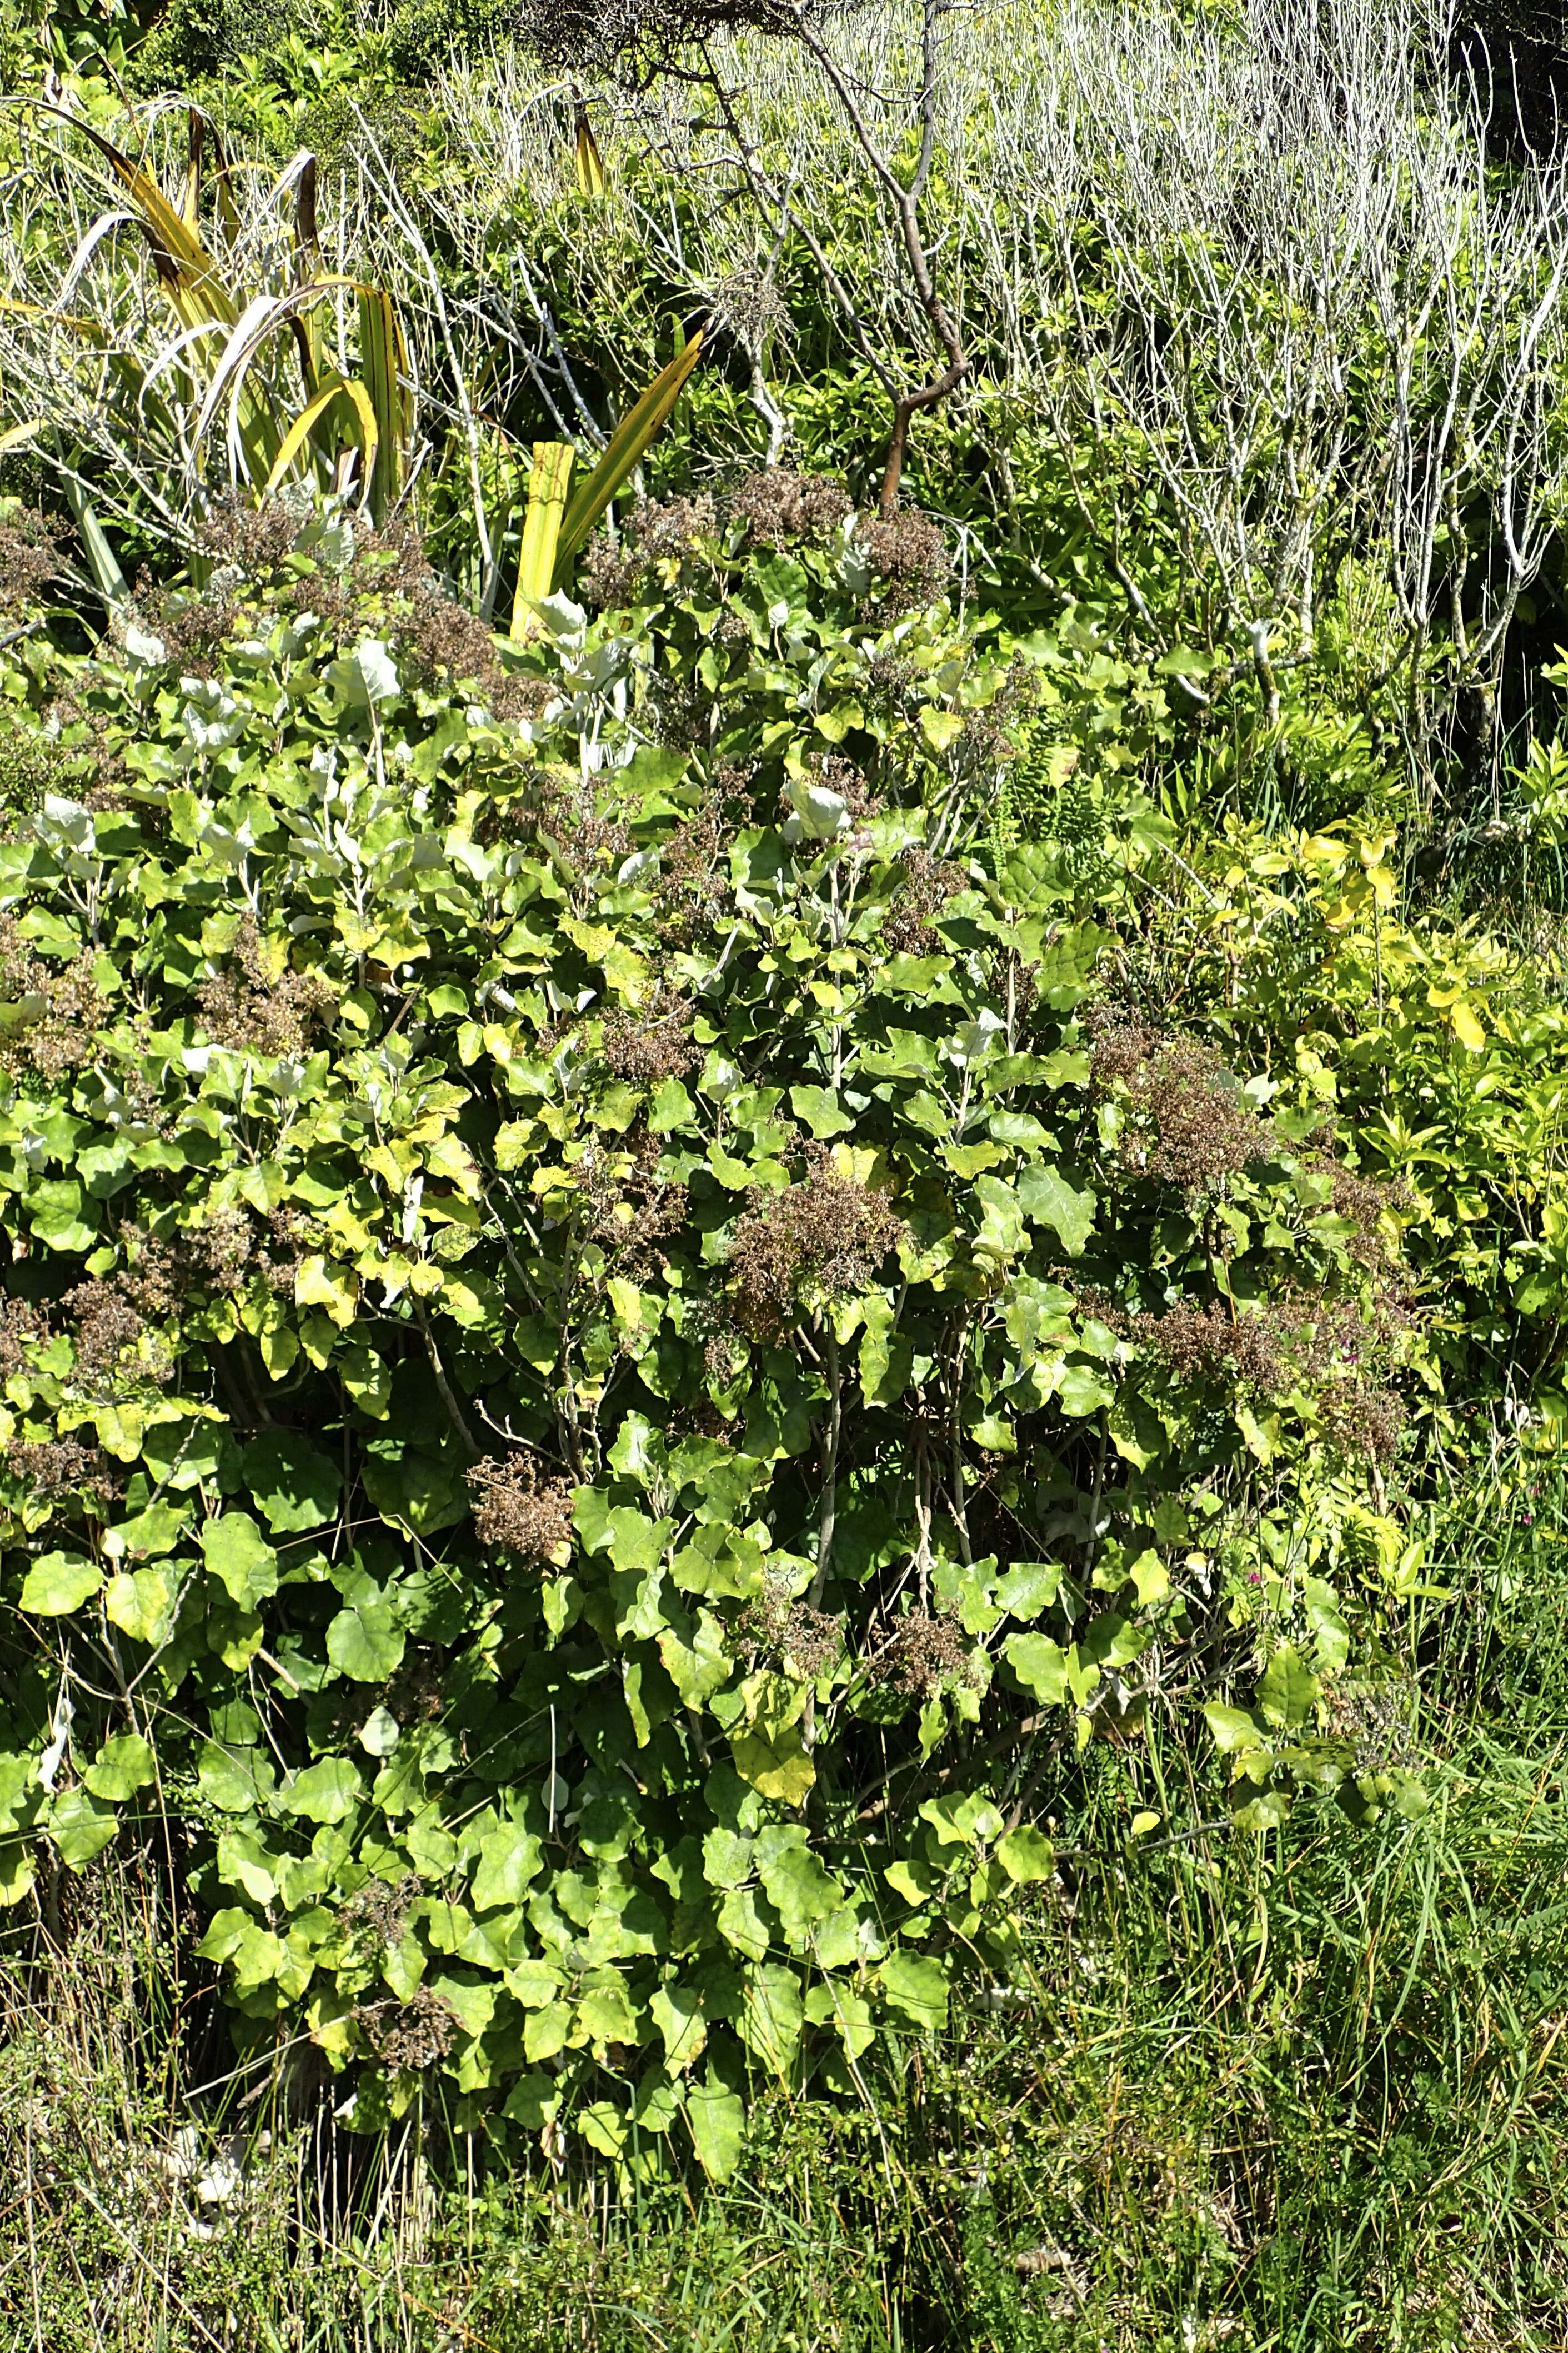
{"x": 653, "y": 1043}
{"x": 516, "y": 1509}
{"x": 246, "y": 1011}
{"x": 908, "y": 555}
{"x": 412, "y": 2034}
{"x": 809, "y": 1639}
{"x": 924, "y": 887}
{"x": 65, "y": 1009}
{"x": 1208, "y": 1343}
{"x": 1328, "y": 1349}
{"x": 30, "y": 558}
{"x": 56, "y": 1467}
{"x": 635, "y": 39}
{"x": 19, "y": 1323}
{"x": 569, "y": 816}
{"x": 1189, "y": 1126}
{"x": 632, "y": 1209}
{"x": 784, "y": 510}
{"x": 107, "y": 1328}
{"x": 1375, "y": 1717}
{"x": 818, "y": 1240}
{"x": 923, "y": 1653}
{"x": 382, "y": 1909}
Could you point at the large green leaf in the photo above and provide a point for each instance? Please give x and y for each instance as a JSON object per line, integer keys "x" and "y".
{"x": 717, "y": 2119}
{"x": 294, "y": 1486}
{"x": 916, "y": 1986}
{"x": 59, "y": 1583}
{"x": 365, "y": 1641}
{"x": 1049, "y": 1200}
{"x": 240, "y": 1557}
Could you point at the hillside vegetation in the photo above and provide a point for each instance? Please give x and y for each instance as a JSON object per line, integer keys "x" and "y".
{"x": 783, "y": 1204}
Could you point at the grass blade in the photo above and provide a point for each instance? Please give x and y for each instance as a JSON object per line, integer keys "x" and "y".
{"x": 547, "y": 488}
{"x": 108, "y": 578}
{"x": 629, "y": 443}
{"x": 184, "y": 262}
{"x": 383, "y": 363}
{"x": 590, "y": 162}
{"x": 190, "y": 210}
{"x": 312, "y": 414}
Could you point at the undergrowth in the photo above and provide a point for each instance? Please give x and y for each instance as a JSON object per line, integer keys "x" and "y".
{"x": 1285, "y": 2095}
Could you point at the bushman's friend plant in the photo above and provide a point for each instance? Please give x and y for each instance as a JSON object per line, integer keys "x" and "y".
{"x": 614, "y": 1342}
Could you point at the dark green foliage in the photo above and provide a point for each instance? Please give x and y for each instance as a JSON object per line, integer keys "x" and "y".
{"x": 422, "y": 35}
{"x": 195, "y": 40}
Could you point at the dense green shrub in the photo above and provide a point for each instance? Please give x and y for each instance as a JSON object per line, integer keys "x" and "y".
{"x": 192, "y": 40}
{"x": 617, "y": 1333}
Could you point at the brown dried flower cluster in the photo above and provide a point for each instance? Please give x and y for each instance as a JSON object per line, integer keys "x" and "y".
{"x": 1351, "y": 1358}
{"x": 381, "y": 1909}
{"x": 153, "y": 1280}
{"x": 748, "y": 305}
{"x": 826, "y": 1235}
{"x": 111, "y": 1313}
{"x": 107, "y": 1328}
{"x": 837, "y": 775}
{"x": 215, "y": 1256}
{"x": 567, "y": 814}
{"x": 29, "y": 558}
{"x": 1326, "y": 1346}
{"x": 1191, "y": 1126}
{"x": 908, "y": 555}
{"x": 734, "y": 781}
{"x": 55, "y": 1467}
{"x": 289, "y": 1233}
{"x": 658, "y": 531}
{"x": 685, "y": 710}
{"x": 62, "y": 1034}
{"x": 516, "y": 1509}
{"x": 1209, "y": 1343}
{"x": 1362, "y": 1419}
{"x": 692, "y": 889}
{"x": 416, "y": 1692}
{"x": 784, "y": 510}
{"x": 192, "y": 627}
{"x": 924, "y": 887}
{"x": 20, "y": 1322}
{"x": 412, "y": 2034}
{"x": 1374, "y": 1717}
{"x": 922, "y": 1653}
{"x": 31, "y": 764}
{"x": 388, "y": 579}
{"x": 246, "y": 1011}
{"x": 632, "y": 1209}
{"x": 812, "y": 1639}
{"x": 1123, "y": 1044}
{"x": 1362, "y": 1202}
{"x": 442, "y": 643}
{"x": 653, "y": 1042}
{"x": 889, "y": 676}
{"x": 380, "y": 580}
{"x": 221, "y": 1249}
{"x": 253, "y": 539}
